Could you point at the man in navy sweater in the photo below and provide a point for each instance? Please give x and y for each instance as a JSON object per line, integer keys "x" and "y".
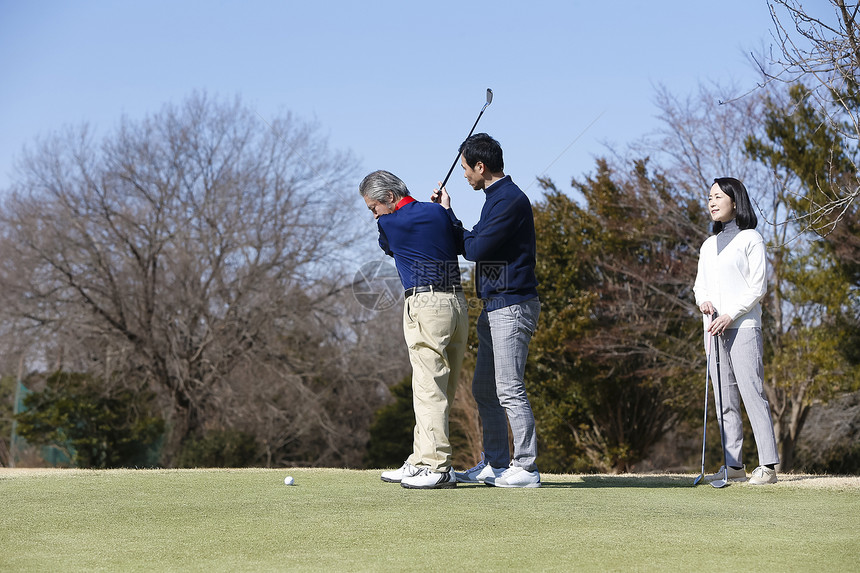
{"x": 424, "y": 243}
{"x": 502, "y": 245}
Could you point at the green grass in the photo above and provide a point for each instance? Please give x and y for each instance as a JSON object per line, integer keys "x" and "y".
{"x": 248, "y": 520}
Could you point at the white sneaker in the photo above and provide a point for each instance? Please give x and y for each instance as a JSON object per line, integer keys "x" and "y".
{"x": 396, "y": 476}
{"x": 733, "y": 475}
{"x": 428, "y": 479}
{"x": 479, "y": 473}
{"x": 762, "y": 475}
{"x": 515, "y": 476}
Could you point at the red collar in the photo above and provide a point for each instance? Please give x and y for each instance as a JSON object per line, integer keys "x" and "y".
{"x": 403, "y": 202}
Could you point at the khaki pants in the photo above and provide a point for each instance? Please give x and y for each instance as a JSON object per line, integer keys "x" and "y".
{"x": 436, "y": 326}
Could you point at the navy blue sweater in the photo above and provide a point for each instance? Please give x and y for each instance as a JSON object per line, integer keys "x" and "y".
{"x": 424, "y": 243}
{"x": 503, "y": 246}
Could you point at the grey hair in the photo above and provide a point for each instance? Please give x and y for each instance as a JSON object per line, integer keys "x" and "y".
{"x": 378, "y": 184}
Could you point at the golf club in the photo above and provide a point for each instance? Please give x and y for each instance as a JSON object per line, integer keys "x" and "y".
{"x": 456, "y": 159}
{"x": 725, "y": 481}
{"x": 705, "y": 423}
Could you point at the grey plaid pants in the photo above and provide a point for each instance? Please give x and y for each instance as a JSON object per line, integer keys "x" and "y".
{"x": 498, "y": 386}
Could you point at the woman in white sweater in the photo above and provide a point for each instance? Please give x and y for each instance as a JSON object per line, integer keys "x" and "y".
{"x": 731, "y": 282}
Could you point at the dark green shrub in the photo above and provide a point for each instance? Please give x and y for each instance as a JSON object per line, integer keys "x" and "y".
{"x": 219, "y": 449}
{"x": 391, "y": 431}
{"x": 95, "y": 427}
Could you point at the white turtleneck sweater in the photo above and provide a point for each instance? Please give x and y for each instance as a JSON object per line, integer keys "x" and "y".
{"x": 733, "y": 276}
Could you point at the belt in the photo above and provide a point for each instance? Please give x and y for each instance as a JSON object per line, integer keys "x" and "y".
{"x": 430, "y": 288}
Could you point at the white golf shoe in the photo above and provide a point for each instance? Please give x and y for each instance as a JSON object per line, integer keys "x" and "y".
{"x": 515, "y": 476}
{"x": 763, "y": 475}
{"x": 396, "y": 476}
{"x": 733, "y": 475}
{"x": 479, "y": 473}
{"x": 428, "y": 479}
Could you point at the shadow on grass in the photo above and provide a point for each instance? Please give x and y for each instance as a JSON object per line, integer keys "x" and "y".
{"x": 599, "y": 481}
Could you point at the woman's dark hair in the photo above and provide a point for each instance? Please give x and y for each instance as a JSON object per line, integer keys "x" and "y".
{"x": 744, "y": 214}
{"x": 481, "y": 147}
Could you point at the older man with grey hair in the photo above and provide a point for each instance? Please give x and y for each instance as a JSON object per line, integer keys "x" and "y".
{"x": 424, "y": 242}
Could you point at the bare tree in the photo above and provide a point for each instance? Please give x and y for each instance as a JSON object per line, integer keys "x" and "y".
{"x": 700, "y": 137}
{"x": 199, "y": 252}
{"x": 821, "y": 48}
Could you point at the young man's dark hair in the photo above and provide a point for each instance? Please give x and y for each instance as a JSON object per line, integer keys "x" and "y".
{"x": 744, "y": 213}
{"x": 481, "y": 147}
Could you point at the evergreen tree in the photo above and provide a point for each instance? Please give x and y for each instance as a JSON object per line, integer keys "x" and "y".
{"x": 618, "y": 343}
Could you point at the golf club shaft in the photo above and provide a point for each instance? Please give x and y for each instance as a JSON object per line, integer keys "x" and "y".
{"x": 453, "y": 165}
{"x": 707, "y": 390}
{"x": 720, "y": 394}
{"x": 705, "y": 415}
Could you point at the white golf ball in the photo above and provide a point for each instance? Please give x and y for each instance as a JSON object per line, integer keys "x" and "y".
{"x": 289, "y": 480}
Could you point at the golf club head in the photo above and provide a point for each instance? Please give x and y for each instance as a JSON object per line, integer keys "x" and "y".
{"x": 698, "y": 479}
{"x": 471, "y": 131}
{"x": 718, "y": 483}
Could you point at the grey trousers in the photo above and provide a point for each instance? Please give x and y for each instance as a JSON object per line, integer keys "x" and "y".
{"x": 498, "y": 386}
{"x": 742, "y": 378}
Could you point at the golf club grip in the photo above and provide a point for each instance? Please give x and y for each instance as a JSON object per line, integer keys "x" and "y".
{"x": 716, "y": 343}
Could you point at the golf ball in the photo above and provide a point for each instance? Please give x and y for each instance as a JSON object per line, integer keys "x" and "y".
{"x": 289, "y": 480}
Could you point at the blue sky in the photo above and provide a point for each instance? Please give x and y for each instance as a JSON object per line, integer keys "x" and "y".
{"x": 399, "y": 84}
